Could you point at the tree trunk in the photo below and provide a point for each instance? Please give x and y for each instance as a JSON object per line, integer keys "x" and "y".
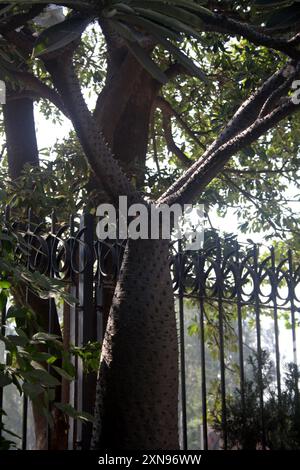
{"x": 20, "y": 134}
{"x": 137, "y": 391}
{"x": 22, "y": 149}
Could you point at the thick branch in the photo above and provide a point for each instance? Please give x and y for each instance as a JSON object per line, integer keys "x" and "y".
{"x": 32, "y": 83}
{"x": 20, "y": 135}
{"x": 114, "y": 97}
{"x": 222, "y": 24}
{"x": 205, "y": 171}
{"x": 100, "y": 157}
{"x": 246, "y": 115}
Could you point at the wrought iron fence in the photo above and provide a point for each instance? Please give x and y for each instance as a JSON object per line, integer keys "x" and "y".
{"x": 255, "y": 284}
{"x": 225, "y": 286}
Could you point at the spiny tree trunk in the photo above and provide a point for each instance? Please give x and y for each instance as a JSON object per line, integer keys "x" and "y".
{"x": 137, "y": 393}
{"x": 136, "y": 405}
{"x": 137, "y": 400}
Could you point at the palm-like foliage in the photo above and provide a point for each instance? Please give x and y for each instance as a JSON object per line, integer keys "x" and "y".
{"x": 164, "y": 22}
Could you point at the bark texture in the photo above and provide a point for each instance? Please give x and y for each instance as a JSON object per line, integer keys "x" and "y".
{"x": 137, "y": 392}
{"x": 20, "y": 135}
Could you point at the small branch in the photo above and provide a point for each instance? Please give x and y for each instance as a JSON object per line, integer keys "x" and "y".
{"x": 163, "y": 104}
{"x": 172, "y": 147}
{"x": 167, "y": 127}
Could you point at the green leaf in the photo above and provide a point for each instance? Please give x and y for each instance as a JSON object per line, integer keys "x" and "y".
{"x": 63, "y": 373}
{"x": 41, "y": 336}
{"x": 184, "y": 60}
{"x": 169, "y": 22}
{"x": 5, "y": 284}
{"x": 147, "y": 62}
{"x": 41, "y": 376}
{"x": 4, "y": 380}
{"x": 149, "y": 26}
{"x": 185, "y": 16}
{"x": 124, "y": 31}
{"x": 16, "y": 312}
{"x": 187, "y": 4}
{"x": 70, "y": 411}
{"x": 17, "y": 340}
{"x": 60, "y": 35}
{"x": 32, "y": 390}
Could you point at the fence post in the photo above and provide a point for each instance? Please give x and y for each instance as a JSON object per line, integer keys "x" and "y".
{"x": 182, "y": 348}
{"x": 2, "y": 325}
{"x": 72, "y": 312}
{"x": 86, "y": 325}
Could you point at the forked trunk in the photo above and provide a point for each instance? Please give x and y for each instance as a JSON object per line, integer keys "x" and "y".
{"x": 137, "y": 391}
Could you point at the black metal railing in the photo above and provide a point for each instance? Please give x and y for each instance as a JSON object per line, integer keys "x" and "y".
{"x": 260, "y": 286}
{"x": 228, "y": 285}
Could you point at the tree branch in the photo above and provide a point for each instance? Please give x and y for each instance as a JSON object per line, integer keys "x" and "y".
{"x": 244, "y": 117}
{"x": 205, "y": 171}
{"x": 222, "y": 24}
{"x": 33, "y": 84}
{"x": 163, "y": 104}
{"x": 114, "y": 97}
{"x": 102, "y": 162}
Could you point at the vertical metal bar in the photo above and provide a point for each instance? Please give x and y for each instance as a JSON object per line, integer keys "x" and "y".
{"x": 276, "y": 326}
{"x": 293, "y": 308}
{"x": 219, "y": 281}
{"x": 25, "y": 399}
{"x": 201, "y": 263}
{"x": 240, "y": 325}
{"x": 2, "y": 329}
{"x": 73, "y": 335}
{"x": 3, "y": 323}
{"x": 87, "y": 327}
{"x": 99, "y": 295}
{"x": 51, "y": 307}
{"x": 259, "y": 349}
{"x": 182, "y": 349}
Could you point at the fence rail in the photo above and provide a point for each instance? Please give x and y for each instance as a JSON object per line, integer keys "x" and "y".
{"x": 226, "y": 284}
